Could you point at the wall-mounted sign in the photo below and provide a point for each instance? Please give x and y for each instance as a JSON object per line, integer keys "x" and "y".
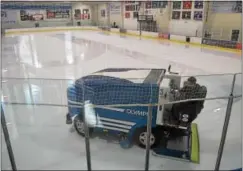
{"x": 85, "y": 11}
{"x": 57, "y": 14}
{"x": 102, "y": 13}
{"x": 28, "y": 6}
{"x": 227, "y": 6}
{"x": 127, "y": 15}
{"x": 29, "y": 15}
{"x": 198, "y": 4}
{"x": 115, "y": 8}
{"x": 148, "y": 4}
{"x": 77, "y": 14}
{"x": 187, "y": 4}
{"x": 176, "y": 5}
{"x": 130, "y": 8}
{"x": 198, "y": 15}
{"x": 176, "y": 15}
{"x": 135, "y": 14}
{"x": 221, "y": 43}
{"x": 9, "y": 16}
{"x": 186, "y": 15}
{"x": 159, "y": 4}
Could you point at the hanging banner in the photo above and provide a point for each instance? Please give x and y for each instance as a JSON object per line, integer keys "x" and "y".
{"x": 58, "y": 14}
{"x": 9, "y": 16}
{"x": 115, "y": 8}
{"x": 33, "y": 6}
{"x": 29, "y": 15}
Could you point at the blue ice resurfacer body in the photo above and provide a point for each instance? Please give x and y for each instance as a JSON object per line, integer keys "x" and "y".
{"x": 116, "y": 101}
{"x": 110, "y": 95}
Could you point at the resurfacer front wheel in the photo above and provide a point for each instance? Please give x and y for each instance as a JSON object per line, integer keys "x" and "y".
{"x": 80, "y": 126}
{"x": 140, "y": 138}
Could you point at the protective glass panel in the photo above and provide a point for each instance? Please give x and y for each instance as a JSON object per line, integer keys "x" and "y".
{"x": 232, "y": 154}
{"x": 5, "y": 163}
{"x": 188, "y": 123}
{"x": 237, "y": 90}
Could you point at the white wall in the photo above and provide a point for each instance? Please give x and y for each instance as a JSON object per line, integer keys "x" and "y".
{"x": 162, "y": 17}
{"x": 185, "y": 27}
{"x": 102, "y": 20}
{"x": 130, "y": 24}
{"x": 115, "y": 13}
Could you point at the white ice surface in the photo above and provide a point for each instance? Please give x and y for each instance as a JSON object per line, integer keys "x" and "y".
{"x": 39, "y": 135}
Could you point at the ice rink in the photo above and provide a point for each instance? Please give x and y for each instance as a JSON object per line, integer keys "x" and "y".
{"x": 49, "y": 62}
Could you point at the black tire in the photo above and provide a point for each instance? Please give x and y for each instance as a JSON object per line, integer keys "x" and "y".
{"x": 155, "y": 133}
{"x": 68, "y": 119}
{"x": 79, "y": 120}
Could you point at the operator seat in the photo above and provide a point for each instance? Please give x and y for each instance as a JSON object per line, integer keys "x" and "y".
{"x": 184, "y": 113}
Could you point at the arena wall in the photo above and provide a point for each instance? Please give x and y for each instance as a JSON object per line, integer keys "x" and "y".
{"x": 100, "y": 14}
{"x": 224, "y": 23}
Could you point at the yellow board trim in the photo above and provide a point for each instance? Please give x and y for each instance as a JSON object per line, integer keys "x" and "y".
{"x": 238, "y": 51}
{"x": 182, "y": 42}
{"x": 194, "y": 144}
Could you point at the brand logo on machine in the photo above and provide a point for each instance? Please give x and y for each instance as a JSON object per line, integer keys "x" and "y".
{"x": 136, "y": 112}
